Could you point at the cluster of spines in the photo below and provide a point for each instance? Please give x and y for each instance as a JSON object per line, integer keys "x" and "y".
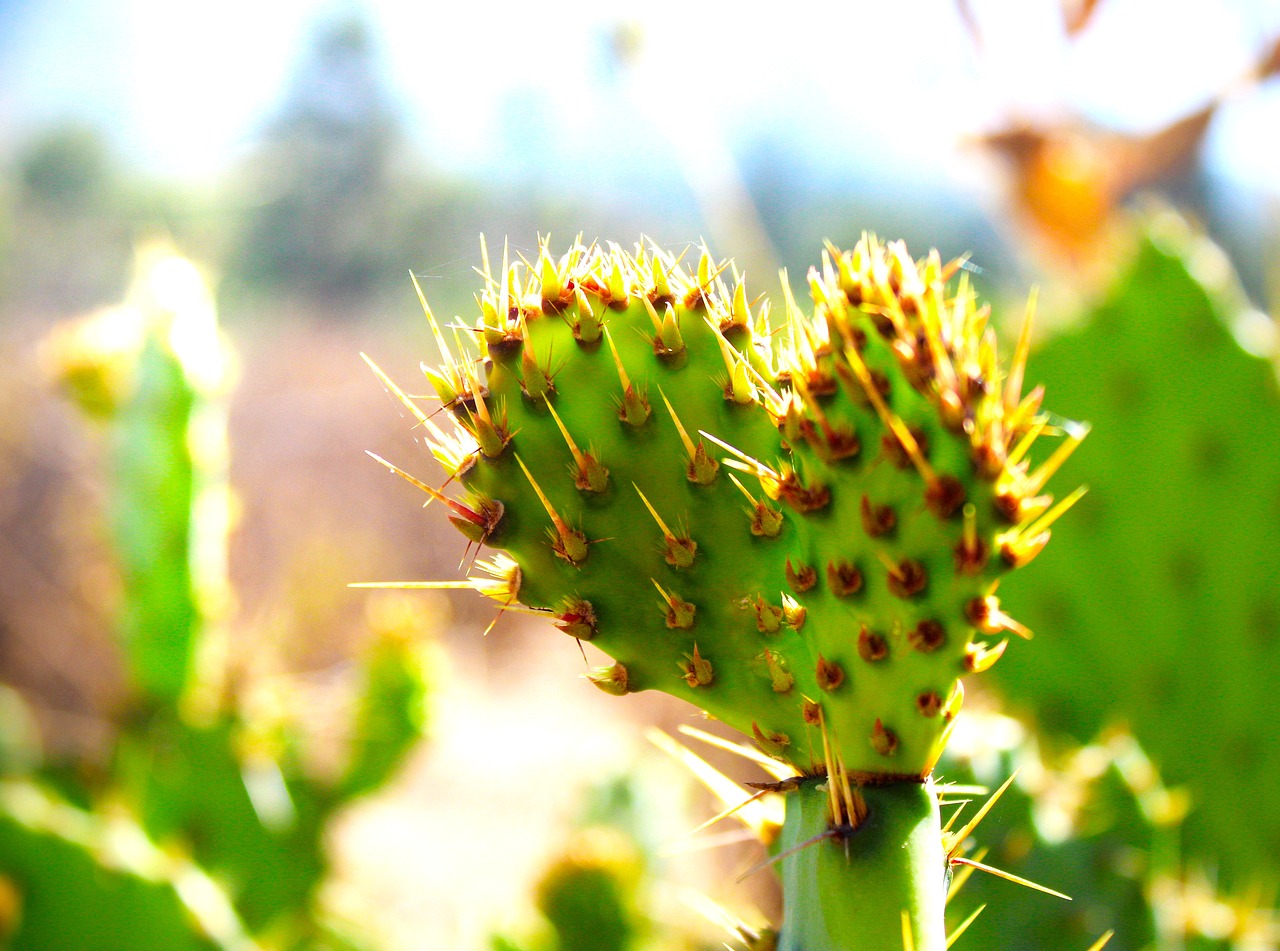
{"x": 805, "y": 377}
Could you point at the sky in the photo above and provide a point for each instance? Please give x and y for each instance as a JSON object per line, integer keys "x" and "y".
{"x": 184, "y": 88}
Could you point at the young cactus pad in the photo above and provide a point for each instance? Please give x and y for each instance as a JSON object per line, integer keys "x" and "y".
{"x": 795, "y": 520}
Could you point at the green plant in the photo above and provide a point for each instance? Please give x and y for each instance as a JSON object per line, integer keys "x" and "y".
{"x": 203, "y": 789}
{"x": 799, "y": 528}
{"x": 1180, "y": 644}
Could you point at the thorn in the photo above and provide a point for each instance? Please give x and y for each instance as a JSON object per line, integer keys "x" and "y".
{"x": 766, "y": 521}
{"x": 1043, "y": 523}
{"x": 780, "y": 678}
{"x": 588, "y": 325}
{"x": 1009, "y": 877}
{"x": 768, "y": 617}
{"x": 964, "y": 926}
{"x": 762, "y": 816}
{"x": 1075, "y": 435}
{"x": 955, "y": 840}
{"x": 1013, "y": 385}
{"x": 981, "y": 657}
{"x": 986, "y": 615}
{"x": 1102, "y": 942}
{"x": 590, "y": 475}
{"x": 801, "y": 578}
{"x": 702, "y": 468}
{"x": 612, "y": 680}
{"x": 871, "y": 646}
{"x": 680, "y": 549}
{"x": 577, "y": 618}
{"x": 772, "y": 766}
{"x": 927, "y": 636}
{"x": 740, "y": 389}
{"x": 883, "y": 740}
{"x": 635, "y": 407}
{"x": 971, "y": 552}
{"x": 679, "y": 613}
{"x": 696, "y": 669}
{"x": 830, "y": 675}
{"x": 907, "y": 578}
{"x": 781, "y": 856}
{"x": 536, "y": 383}
{"x": 770, "y": 480}
{"x": 772, "y": 742}
{"x": 569, "y": 544}
{"x": 891, "y": 420}
{"x": 844, "y": 578}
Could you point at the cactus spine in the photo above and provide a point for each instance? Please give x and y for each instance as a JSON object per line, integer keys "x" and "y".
{"x": 798, "y": 526}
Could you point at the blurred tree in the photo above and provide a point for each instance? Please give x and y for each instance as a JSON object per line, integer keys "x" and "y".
{"x": 322, "y": 185}
{"x": 69, "y": 239}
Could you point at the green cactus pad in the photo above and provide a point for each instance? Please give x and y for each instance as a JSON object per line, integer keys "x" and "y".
{"x": 796, "y": 524}
{"x": 1175, "y": 547}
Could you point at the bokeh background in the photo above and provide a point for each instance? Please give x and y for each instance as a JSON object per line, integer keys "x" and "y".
{"x": 309, "y": 156}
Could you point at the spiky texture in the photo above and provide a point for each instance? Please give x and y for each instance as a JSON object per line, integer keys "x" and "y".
{"x": 798, "y": 527}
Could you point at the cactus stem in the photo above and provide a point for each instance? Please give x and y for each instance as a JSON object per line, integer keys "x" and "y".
{"x": 679, "y": 613}
{"x": 680, "y": 549}
{"x": 589, "y": 474}
{"x": 568, "y": 543}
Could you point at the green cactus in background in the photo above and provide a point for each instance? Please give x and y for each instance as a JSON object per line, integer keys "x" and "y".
{"x": 797, "y": 527}
{"x": 1177, "y": 547}
{"x": 192, "y": 773}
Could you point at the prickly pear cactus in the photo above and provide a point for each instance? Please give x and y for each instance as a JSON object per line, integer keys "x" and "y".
{"x": 797, "y": 525}
{"x": 1176, "y": 546}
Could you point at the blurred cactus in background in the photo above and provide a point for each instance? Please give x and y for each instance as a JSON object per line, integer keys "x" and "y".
{"x": 209, "y": 826}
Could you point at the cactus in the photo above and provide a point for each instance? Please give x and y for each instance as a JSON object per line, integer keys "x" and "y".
{"x": 1176, "y": 546}
{"x": 74, "y": 879}
{"x": 194, "y": 770}
{"x": 800, "y": 529}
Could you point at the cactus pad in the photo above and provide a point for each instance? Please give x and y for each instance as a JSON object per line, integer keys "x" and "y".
{"x": 795, "y": 519}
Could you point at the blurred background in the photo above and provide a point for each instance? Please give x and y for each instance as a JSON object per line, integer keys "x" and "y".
{"x": 299, "y": 159}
